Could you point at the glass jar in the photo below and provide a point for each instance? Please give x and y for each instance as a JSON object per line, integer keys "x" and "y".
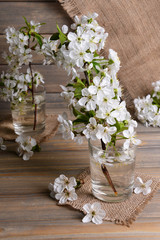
{"x": 112, "y": 172}
{"x": 28, "y": 117}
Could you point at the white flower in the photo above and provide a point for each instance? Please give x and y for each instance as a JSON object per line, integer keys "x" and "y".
{"x": 26, "y": 155}
{"x": 88, "y": 100}
{"x": 26, "y": 144}
{"x": 94, "y": 213}
{"x": 130, "y": 135}
{"x": 105, "y": 113}
{"x": 35, "y": 26}
{"x": 120, "y": 111}
{"x": 91, "y": 129}
{"x": 101, "y": 87}
{"x": 63, "y": 182}
{"x": 114, "y": 66}
{"x": 140, "y": 186}
{"x": 105, "y": 133}
{"x": 2, "y": 146}
{"x": 79, "y": 55}
{"x": 65, "y": 127}
{"x": 68, "y": 194}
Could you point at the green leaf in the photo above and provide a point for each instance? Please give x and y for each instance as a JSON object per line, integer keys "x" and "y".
{"x": 62, "y": 36}
{"x": 39, "y": 39}
{"x": 1, "y": 84}
{"x": 110, "y": 61}
{"x": 55, "y": 36}
{"x": 81, "y": 119}
{"x": 36, "y": 148}
{"x": 81, "y": 83}
{"x": 91, "y": 113}
{"x": 27, "y": 23}
{"x": 76, "y": 112}
{"x": 23, "y": 28}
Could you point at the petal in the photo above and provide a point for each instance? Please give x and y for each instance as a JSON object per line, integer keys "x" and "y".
{"x": 87, "y": 207}
{"x": 3, "y": 147}
{"x": 101, "y": 213}
{"x": 83, "y": 101}
{"x": 52, "y": 195}
{"x": 73, "y": 197}
{"x": 72, "y": 36}
{"x": 136, "y": 141}
{"x": 96, "y": 81}
{"x": 139, "y": 180}
{"x": 63, "y": 199}
{"x": 50, "y": 186}
{"x": 72, "y": 182}
{"x": 148, "y": 183}
{"x": 58, "y": 196}
{"x": 126, "y": 144}
{"x": 88, "y": 57}
{"x": 146, "y": 191}
{"x": 97, "y": 219}
{"x": 137, "y": 190}
{"x": 92, "y": 89}
{"x": 96, "y": 206}
{"x": 87, "y": 218}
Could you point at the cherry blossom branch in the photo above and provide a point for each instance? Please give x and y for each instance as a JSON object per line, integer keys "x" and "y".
{"x": 35, "y": 106}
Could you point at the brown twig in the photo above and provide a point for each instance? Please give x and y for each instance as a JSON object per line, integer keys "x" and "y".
{"x": 35, "y": 117}
{"x": 32, "y": 90}
{"x": 106, "y": 174}
{"x": 105, "y": 171}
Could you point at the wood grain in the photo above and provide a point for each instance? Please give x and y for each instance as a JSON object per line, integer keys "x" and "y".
{"x": 27, "y": 211}
{"x": 11, "y": 14}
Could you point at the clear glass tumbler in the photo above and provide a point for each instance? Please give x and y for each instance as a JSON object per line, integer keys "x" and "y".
{"x": 117, "y": 166}
{"x": 29, "y": 118}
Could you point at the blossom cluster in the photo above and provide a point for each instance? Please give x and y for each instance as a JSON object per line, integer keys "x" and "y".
{"x": 22, "y": 43}
{"x": 148, "y": 108}
{"x": 95, "y": 99}
{"x": 77, "y": 47}
{"x": 63, "y": 189}
{"x": 27, "y": 146}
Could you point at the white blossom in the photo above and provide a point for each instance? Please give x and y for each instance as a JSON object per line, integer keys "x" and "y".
{"x": 66, "y": 128}
{"x": 114, "y": 66}
{"x": 105, "y": 133}
{"x": 88, "y": 100}
{"x": 91, "y": 129}
{"x": 63, "y": 182}
{"x": 131, "y": 138}
{"x": 94, "y": 213}
{"x": 141, "y": 187}
{"x": 26, "y": 144}
{"x": 68, "y": 194}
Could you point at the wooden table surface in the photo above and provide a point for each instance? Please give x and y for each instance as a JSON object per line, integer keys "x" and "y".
{"x": 27, "y": 212}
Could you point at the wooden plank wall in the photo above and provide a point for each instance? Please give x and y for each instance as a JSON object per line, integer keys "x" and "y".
{"x": 50, "y": 12}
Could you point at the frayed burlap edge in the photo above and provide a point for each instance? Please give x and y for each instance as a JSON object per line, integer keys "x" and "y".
{"x": 70, "y": 7}
{"x": 132, "y": 217}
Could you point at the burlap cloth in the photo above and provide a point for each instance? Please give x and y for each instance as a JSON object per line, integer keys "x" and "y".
{"x": 133, "y": 28}
{"x": 121, "y": 213}
{"x": 7, "y": 129}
